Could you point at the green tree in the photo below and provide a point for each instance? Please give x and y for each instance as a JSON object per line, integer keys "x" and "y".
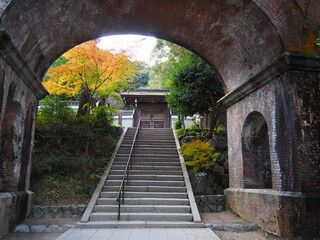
{"x": 195, "y": 88}
{"x": 165, "y": 55}
{"x": 141, "y": 78}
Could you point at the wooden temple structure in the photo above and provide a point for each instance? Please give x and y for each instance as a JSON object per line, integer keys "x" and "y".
{"x": 151, "y": 105}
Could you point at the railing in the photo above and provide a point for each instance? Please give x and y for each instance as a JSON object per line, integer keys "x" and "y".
{"x": 125, "y": 178}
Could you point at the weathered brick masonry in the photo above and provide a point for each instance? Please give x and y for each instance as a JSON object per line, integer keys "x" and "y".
{"x": 239, "y": 38}
{"x": 287, "y": 102}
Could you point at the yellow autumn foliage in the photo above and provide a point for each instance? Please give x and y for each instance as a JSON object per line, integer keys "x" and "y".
{"x": 199, "y": 155}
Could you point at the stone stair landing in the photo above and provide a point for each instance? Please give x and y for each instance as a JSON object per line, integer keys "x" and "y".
{"x": 158, "y": 194}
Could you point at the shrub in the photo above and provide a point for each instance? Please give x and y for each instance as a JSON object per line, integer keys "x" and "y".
{"x": 220, "y": 130}
{"x": 101, "y": 118}
{"x": 62, "y": 139}
{"x": 177, "y": 124}
{"x": 180, "y": 133}
{"x": 186, "y": 135}
{"x": 198, "y": 155}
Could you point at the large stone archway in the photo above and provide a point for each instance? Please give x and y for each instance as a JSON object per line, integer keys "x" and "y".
{"x": 258, "y": 47}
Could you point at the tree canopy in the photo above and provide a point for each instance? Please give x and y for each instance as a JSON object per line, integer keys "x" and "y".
{"x": 91, "y": 71}
{"x": 194, "y": 86}
{"x": 141, "y": 78}
{"x": 165, "y": 55}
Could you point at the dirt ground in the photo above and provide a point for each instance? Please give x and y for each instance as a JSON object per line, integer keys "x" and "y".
{"x": 231, "y": 218}
{"x": 254, "y": 235}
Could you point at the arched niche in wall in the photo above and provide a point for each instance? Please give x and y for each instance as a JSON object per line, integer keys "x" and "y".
{"x": 256, "y": 152}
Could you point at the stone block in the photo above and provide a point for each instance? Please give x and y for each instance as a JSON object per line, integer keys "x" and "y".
{"x": 227, "y": 228}
{"x": 74, "y": 209}
{"x": 67, "y": 214}
{"x": 209, "y": 190}
{"x": 52, "y": 229}
{"x": 22, "y": 228}
{"x": 218, "y": 169}
{"x": 208, "y": 225}
{"x": 198, "y": 181}
{"x": 206, "y": 209}
{"x": 210, "y": 180}
{"x": 220, "y": 208}
{"x": 82, "y": 208}
{"x": 38, "y": 228}
{"x": 38, "y": 213}
{"x": 213, "y": 208}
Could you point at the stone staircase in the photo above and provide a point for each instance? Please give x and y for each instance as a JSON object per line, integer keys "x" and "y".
{"x": 159, "y": 193}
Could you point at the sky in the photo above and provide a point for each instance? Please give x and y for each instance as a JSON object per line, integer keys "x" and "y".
{"x": 138, "y": 47}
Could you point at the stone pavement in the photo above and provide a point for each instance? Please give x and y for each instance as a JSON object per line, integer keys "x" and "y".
{"x": 140, "y": 234}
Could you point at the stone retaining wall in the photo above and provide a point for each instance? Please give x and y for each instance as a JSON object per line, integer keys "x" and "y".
{"x": 73, "y": 211}
{"x": 210, "y": 203}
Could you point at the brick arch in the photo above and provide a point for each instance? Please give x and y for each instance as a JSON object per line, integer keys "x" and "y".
{"x": 297, "y": 21}
{"x": 236, "y": 37}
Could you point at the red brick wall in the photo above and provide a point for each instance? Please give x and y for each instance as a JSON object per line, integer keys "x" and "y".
{"x": 290, "y": 106}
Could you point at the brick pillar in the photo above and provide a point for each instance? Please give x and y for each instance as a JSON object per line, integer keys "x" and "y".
{"x": 287, "y": 96}
{"x": 20, "y": 90}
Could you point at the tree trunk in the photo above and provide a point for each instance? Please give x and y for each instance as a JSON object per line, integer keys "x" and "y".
{"x": 214, "y": 115}
{"x": 102, "y": 102}
{"x": 85, "y": 98}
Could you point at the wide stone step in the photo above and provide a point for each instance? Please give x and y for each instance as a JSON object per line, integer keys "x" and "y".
{"x": 155, "y": 168}
{"x": 150, "y": 151}
{"x": 128, "y": 195}
{"x": 138, "y": 224}
{"x": 143, "y": 208}
{"x": 128, "y": 138}
{"x": 148, "y": 177}
{"x": 138, "y": 160}
{"x": 150, "y": 142}
{"x": 155, "y": 131}
{"x": 145, "y": 189}
{"x": 146, "y": 183}
{"x": 144, "y": 201}
{"x": 145, "y": 172}
{"x": 144, "y": 163}
{"x": 149, "y": 146}
{"x": 148, "y": 156}
{"x": 145, "y": 155}
{"x": 143, "y": 134}
{"x": 142, "y": 216}
{"x": 156, "y": 138}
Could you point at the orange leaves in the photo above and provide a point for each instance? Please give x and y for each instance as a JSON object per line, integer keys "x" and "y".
{"x": 89, "y": 67}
